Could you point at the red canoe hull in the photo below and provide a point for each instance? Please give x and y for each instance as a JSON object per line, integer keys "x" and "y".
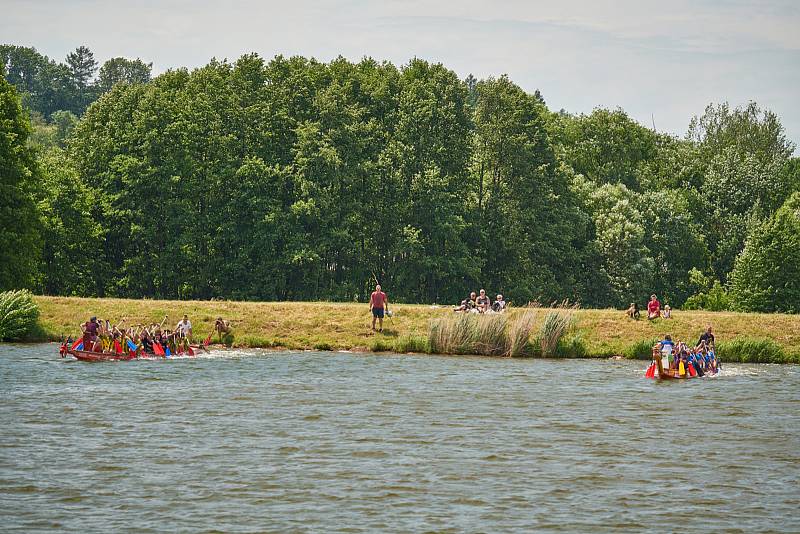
{"x": 88, "y": 356}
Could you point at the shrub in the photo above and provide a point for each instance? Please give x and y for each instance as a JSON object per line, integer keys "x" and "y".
{"x": 18, "y": 315}
{"x": 715, "y": 299}
{"x": 641, "y": 350}
{"x": 572, "y": 347}
{"x": 381, "y": 345}
{"x": 412, "y": 344}
{"x": 749, "y": 350}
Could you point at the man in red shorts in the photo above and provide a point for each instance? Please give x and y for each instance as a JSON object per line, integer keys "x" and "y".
{"x": 377, "y": 305}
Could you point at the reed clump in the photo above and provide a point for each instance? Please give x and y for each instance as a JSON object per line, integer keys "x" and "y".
{"x": 487, "y": 335}
{"x": 556, "y": 324}
{"x": 519, "y": 335}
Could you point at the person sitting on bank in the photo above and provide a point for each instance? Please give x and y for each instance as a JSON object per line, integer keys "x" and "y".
{"x": 499, "y": 305}
{"x": 633, "y": 311}
{"x": 377, "y": 304}
{"x": 667, "y": 312}
{"x": 224, "y": 330}
{"x": 468, "y": 304}
{"x": 483, "y": 302}
{"x": 653, "y": 308}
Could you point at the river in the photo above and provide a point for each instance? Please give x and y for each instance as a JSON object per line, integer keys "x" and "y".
{"x": 246, "y": 441}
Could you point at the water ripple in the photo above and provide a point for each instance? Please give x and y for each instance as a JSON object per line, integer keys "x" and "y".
{"x": 243, "y": 441}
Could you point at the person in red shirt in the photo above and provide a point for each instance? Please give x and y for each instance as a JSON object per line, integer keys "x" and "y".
{"x": 653, "y": 308}
{"x": 377, "y": 304}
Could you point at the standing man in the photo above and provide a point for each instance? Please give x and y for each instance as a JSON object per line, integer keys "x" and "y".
{"x": 184, "y": 328}
{"x": 377, "y": 303}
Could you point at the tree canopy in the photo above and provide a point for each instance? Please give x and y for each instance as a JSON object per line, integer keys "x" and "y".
{"x": 296, "y": 179}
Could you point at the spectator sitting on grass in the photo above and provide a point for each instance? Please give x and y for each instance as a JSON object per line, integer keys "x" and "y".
{"x": 468, "y": 304}
{"x": 653, "y": 308}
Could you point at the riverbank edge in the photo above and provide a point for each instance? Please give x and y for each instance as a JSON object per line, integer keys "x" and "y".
{"x": 332, "y": 326}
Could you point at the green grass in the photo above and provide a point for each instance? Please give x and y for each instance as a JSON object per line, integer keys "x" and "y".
{"x": 641, "y": 350}
{"x": 748, "y": 350}
{"x": 335, "y": 326}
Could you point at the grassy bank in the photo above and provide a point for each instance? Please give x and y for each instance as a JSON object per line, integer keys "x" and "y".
{"x": 331, "y": 326}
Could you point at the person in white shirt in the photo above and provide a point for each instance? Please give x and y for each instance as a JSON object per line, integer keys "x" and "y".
{"x": 184, "y": 328}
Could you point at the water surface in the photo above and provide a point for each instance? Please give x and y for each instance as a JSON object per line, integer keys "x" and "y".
{"x": 309, "y": 442}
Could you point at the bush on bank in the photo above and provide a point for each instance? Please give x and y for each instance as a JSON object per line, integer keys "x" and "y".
{"x": 18, "y": 315}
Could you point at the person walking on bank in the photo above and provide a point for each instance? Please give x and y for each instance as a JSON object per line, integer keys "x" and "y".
{"x": 377, "y": 304}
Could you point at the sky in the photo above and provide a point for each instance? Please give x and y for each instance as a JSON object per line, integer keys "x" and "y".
{"x": 662, "y": 62}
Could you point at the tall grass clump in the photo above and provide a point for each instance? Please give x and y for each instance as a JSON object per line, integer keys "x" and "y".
{"x": 519, "y": 334}
{"x": 556, "y": 324}
{"x": 491, "y": 338}
{"x": 453, "y": 334}
{"x": 750, "y": 350}
{"x": 18, "y": 315}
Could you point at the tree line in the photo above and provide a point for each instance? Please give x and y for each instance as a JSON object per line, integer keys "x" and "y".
{"x": 294, "y": 179}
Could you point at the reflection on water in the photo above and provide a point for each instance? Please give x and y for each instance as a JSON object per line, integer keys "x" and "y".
{"x": 264, "y": 441}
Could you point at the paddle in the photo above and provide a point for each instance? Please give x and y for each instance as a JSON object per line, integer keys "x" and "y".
{"x": 651, "y": 371}
{"x": 681, "y": 369}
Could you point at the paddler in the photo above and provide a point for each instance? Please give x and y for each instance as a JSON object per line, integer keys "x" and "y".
{"x": 90, "y": 329}
{"x": 184, "y": 328}
{"x": 707, "y": 337}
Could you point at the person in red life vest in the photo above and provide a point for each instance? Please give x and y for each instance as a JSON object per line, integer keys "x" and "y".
{"x": 377, "y": 304}
{"x": 653, "y": 308}
{"x": 90, "y": 329}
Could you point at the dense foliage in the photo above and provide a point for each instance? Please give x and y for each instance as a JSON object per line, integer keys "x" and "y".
{"x": 18, "y": 315}
{"x": 48, "y": 86}
{"x": 20, "y": 245}
{"x": 766, "y": 276}
{"x": 295, "y": 180}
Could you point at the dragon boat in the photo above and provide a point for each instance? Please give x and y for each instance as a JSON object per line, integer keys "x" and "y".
{"x": 658, "y": 372}
{"x": 91, "y": 356}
